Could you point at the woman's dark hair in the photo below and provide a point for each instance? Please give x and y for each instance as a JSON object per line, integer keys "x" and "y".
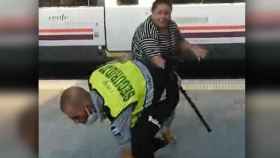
{"x": 158, "y": 2}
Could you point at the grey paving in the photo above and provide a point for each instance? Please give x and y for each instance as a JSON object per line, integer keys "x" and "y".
{"x": 224, "y": 110}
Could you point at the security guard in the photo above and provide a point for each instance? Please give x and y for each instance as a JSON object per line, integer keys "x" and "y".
{"x": 124, "y": 92}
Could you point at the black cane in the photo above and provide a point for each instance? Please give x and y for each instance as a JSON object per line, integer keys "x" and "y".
{"x": 175, "y": 60}
{"x": 195, "y": 109}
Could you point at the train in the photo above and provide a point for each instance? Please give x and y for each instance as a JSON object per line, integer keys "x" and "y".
{"x": 73, "y": 41}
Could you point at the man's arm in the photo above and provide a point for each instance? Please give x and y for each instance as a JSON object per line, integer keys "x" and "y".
{"x": 120, "y": 127}
{"x": 186, "y": 49}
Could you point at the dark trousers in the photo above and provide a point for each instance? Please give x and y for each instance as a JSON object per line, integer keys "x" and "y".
{"x": 143, "y": 140}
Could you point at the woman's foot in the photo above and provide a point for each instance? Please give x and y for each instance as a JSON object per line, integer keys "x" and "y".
{"x": 126, "y": 154}
{"x": 168, "y": 137}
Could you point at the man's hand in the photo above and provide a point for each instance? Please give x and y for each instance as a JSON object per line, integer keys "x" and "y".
{"x": 199, "y": 52}
{"x": 185, "y": 48}
{"x": 158, "y": 61}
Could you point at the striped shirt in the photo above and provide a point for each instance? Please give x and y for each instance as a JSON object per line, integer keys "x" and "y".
{"x": 148, "y": 41}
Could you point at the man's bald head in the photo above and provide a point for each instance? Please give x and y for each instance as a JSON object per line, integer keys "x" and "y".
{"x": 76, "y": 97}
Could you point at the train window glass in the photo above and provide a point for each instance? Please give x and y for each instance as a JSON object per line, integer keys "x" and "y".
{"x": 70, "y": 3}
{"x": 127, "y": 2}
{"x": 223, "y": 1}
{"x": 205, "y": 1}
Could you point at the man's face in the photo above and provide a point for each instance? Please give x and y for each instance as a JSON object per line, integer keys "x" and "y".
{"x": 76, "y": 113}
{"x": 161, "y": 16}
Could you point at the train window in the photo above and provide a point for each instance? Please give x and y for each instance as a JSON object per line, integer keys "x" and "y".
{"x": 127, "y": 2}
{"x": 223, "y": 1}
{"x": 205, "y": 1}
{"x": 70, "y": 3}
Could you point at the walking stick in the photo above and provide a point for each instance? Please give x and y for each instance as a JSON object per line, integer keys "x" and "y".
{"x": 175, "y": 60}
{"x": 195, "y": 109}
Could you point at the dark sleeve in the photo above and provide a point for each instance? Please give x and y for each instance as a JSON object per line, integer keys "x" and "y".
{"x": 175, "y": 30}
{"x": 178, "y": 35}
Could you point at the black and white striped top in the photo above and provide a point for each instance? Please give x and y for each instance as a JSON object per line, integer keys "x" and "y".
{"x": 148, "y": 41}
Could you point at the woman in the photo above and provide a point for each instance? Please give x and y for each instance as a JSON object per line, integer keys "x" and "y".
{"x": 155, "y": 41}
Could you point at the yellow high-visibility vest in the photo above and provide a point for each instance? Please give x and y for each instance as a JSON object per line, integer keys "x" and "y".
{"x": 120, "y": 84}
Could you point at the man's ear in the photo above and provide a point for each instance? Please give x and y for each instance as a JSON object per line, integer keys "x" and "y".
{"x": 89, "y": 108}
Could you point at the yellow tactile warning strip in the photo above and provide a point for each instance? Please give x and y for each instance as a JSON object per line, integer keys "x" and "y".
{"x": 193, "y": 84}
{"x": 61, "y": 84}
{"x": 114, "y": 54}
{"x": 215, "y": 84}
